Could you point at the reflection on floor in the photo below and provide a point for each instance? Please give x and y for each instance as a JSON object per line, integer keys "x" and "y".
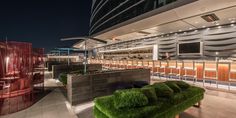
{"x": 216, "y": 104}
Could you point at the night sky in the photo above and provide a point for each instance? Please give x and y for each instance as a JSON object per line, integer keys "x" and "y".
{"x": 44, "y": 22}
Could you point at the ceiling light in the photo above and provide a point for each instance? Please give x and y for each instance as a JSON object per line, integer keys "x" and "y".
{"x": 217, "y": 23}
{"x": 232, "y": 25}
{"x": 233, "y": 21}
{"x": 180, "y": 30}
{"x": 219, "y": 27}
{"x": 190, "y": 28}
{"x": 203, "y": 26}
{"x": 195, "y": 30}
{"x": 196, "y": 22}
{"x": 210, "y": 17}
{"x": 171, "y": 32}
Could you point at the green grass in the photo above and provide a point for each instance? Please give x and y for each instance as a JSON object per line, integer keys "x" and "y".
{"x": 173, "y": 86}
{"x": 63, "y": 78}
{"x": 150, "y": 94}
{"x": 161, "y": 89}
{"x": 164, "y": 107}
{"x": 129, "y": 99}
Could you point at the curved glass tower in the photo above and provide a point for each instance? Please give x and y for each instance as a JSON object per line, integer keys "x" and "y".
{"x": 107, "y": 13}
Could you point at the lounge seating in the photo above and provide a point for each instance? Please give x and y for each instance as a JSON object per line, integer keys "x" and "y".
{"x": 160, "y": 100}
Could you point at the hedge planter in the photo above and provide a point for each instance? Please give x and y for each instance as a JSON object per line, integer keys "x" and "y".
{"x": 152, "y": 101}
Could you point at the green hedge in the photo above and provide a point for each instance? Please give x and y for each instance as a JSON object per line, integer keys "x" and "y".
{"x": 158, "y": 107}
{"x": 150, "y": 94}
{"x": 129, "y": 99}
{"x": 106, "y": 105}
{"x": 161, "y": 89}
{"x": 183, "y": 85}
{"x": 173, "y": 86}
{"x": 63, "y": 78}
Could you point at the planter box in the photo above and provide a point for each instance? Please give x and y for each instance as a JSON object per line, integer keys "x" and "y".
{"x": 82, "y": 88}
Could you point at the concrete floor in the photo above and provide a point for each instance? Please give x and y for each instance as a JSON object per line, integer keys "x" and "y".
{"x": 216, "y": 104}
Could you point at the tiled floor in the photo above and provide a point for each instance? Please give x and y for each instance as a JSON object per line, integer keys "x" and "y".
{"x": 216, "y": 104}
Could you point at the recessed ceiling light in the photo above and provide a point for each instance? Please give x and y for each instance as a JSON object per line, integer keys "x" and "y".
{"x": 196, "y": 22}
{"x": 232, "y": 25}
{"x": 190, "y": 28}
{"x": 217, "y": 23}
{"x": 203, "y": 26}
{"x": 208, "y": 28}
{"x": 180, "y": 30}
{"x": 233, "y": 21}
{"x": 219, "y": 27}
{"x": 195, "y": 30}
{"x": 171, "y": 32}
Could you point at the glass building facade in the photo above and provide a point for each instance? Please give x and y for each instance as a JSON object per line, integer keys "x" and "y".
{"x": 107, "y": 13}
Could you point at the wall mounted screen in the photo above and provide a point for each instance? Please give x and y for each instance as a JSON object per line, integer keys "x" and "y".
{"x": 190, "y": 48}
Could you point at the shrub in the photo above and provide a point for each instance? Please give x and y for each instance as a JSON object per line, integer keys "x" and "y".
{"x": 162, "y": 90}
{"x": 129, "y": 99}
{"x": 173, "y": 86}
{"x": 150, "y": 94}
{"x": 63, "y": 78}
{"x": 183, "y": 85}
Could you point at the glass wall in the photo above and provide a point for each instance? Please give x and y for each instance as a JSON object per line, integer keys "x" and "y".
{"x": 114, "y": 12}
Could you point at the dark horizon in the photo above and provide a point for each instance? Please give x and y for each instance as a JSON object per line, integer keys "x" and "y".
{"x": 44, "y": 23}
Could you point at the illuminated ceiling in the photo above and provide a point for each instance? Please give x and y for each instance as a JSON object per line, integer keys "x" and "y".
{"x": 187, "y": 17}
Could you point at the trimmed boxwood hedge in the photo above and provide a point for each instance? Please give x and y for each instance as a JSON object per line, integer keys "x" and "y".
{"x": 164, "y": 107}
{"x": 161, "y": 89}
{"x": 150, "y": 94}
{"x": 63, "y": 78}
{"x": 173, "y": 86}
{"x": 183, "y": 85}
{"x": 129, "y": 99}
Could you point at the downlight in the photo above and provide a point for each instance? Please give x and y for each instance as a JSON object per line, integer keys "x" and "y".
{"x": 210, "y": 17}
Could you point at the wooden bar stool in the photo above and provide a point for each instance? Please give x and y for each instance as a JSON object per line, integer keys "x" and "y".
{"x": 156, "y": 68}
{"x": 189, "y": 70}
{"x": 211, "y": 71}
{"x": 199, "y": 68}
{"x": 164, "y": 69}
{"x": 232, "y": 74}
{"x": 172, "y": 66}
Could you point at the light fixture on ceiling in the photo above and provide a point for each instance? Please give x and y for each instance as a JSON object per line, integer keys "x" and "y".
{"x": 233, "y": 21}
{"x": 203, "y": 26}
{"x": 196, "y": 22}
{"x": 232, "y": 25}
{"x": 219, "y": 27}
{"x": 210, "y": 17}
{"x": 195, "y": 30}
{"x": 217, "y": 23}
{"x": 180, "y": 30}
{"x": 190, "y": 28}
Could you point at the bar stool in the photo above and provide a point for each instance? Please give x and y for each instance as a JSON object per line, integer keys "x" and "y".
{"x": 232, "y": 74}
{"x": 139, "y": 64}
{"x": 172, "y": 66}
{"x": 178, "y": 71}
{"x": 145, "y": 64}
{"x": 156, "y": 68}
{"x": 164, "y": 69}
{"x": 189, "y": 70}
{"x": 199, "y": 68}
{"x": 211, "y": 71}
{"x": 129, "y": 64}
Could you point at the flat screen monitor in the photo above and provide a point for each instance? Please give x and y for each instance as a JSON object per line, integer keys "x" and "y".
{"x": 192, "y": 48}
